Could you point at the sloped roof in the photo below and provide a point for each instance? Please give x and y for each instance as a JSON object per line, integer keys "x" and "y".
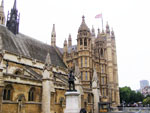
{"x": 26, "y": 46}
{"x": 83, "y": 26}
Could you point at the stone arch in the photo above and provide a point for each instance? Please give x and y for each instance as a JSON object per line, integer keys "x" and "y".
{"x": 31, "y": 94}
{"x": 8, "y": 92}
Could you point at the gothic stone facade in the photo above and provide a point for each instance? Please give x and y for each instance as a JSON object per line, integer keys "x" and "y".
{"x": 34, "y": 75}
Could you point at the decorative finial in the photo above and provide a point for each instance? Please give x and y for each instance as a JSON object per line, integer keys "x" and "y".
{"x": 107, "y": 26}
{"x": 83, "y": 18}
{"x": 98, "y": 30}
{"x": 69, "y": 36}
{"x": 2, "y": 3}
{"x": 15, "y": 6}
{"x": 53, "y": 27}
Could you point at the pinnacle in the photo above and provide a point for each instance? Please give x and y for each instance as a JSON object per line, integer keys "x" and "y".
{"x": 69, "y": 36}
{"x": 48, "y": 60}
{"x": 53, "y": 28}
{"x": 2, "y": 3}
{"x": 83, "y": 25}
{"x": 15, "y": 6}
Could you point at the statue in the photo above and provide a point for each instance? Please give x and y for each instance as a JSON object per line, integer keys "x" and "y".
{"x": 71, "y": 80}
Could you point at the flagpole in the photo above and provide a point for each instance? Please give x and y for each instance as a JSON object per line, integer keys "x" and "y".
{"x": 102, "y": 21}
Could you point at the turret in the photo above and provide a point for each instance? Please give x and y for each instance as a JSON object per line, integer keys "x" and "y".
{"x": 107, "y": 29}
{"x": 2, "y": 14}
{"x": 53, "y": 36}
{"x": 13, "y": 20}
{"x": 112, "y": 34}
{"x": 69, "y": 41}
{"x": 84, "y": 36}
{"x": 65, "y": 46}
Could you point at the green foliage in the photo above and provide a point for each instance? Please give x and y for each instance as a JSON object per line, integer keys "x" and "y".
{"x": 146, "y": 101}
{"x": 130, "y": 96}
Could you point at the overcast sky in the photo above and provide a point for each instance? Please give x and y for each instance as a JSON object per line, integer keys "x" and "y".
{"x": 130, "y": 20}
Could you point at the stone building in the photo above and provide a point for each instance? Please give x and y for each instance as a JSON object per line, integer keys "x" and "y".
{"x": 34, "y": 75}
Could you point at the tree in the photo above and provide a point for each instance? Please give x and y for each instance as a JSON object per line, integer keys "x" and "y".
{"x": 146, "y": 101}
{"x": 130, "y": 96}
{"x": 125, "y": 94}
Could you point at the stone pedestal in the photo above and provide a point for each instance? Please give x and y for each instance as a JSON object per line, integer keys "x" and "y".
{"x": 72, "y": 102}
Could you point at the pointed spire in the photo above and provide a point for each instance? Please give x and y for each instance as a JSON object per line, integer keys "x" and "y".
{"x": 93, "y": 31}
{"x": 98, "y": 34}
{"x": 13, "y": 20}
{"x": 65, "y": 42}
{"x": 83, "y": 17}
{"x": 69, "y": 40}
{"x": 53, "y": 36}
{"x": 83, "y": 26}
{"x": 112, "y": 33}
{"x": 48, "y": 60}
{"x": 2, "y": 3}
{"x": 15, "y": 6}
{"x": 107, "y": 28}
{"x": 53, "y": 28}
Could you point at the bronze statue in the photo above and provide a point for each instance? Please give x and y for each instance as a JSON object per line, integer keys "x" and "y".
{"x": 71, "y": 80}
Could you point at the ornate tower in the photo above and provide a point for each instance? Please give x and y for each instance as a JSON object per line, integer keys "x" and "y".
{"x": 53, "y": 36}
{"x": 2, "y": 15}
{"x": 115, "y": 70}
{"x": 110, "y": 69}
{"x": 100, "y": 63}
{"x": 65, "y": 49}
{"x": 13, "y": 20}
{"x": 84, "y": 53}
{"x": 69, "y": 41}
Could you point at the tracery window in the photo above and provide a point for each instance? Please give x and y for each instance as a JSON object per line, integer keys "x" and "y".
{"x": 86, "y": 76}
{"x": 81, "y": 75}
{"x": 7, "y": 93}
{"x": 81, "y": 62}
{"x": 102, "y": 53}
{"x": 85, "y": 61}
{"x": 80, "y": 41}
{"x": 31, "y": 94}
{"x": 85, "y": 42}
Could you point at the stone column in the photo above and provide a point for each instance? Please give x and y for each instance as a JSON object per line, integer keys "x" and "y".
{"x": 46, "y": 92}
{"x": 96, "y": 91}
{"x": 72, "y": 102}
{"x": 1, "y": 88}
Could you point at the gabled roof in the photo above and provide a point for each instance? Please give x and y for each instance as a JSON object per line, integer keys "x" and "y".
{"x": 26, "y": 46}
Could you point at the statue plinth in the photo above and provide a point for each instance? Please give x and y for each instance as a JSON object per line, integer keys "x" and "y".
{"x": 72, "y": 102}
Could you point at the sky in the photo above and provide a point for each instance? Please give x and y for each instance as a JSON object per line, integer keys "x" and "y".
{"x": 130, "y": 20}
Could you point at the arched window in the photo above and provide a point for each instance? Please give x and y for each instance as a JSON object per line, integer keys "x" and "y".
{"x": 102, "y": 53}
{"x": 89, "y": 98}
{"x": 31, "y": 95}
{"x": 86, "y": 76}
{"x": 80, "y": 41}
{"x": 7, "y": 93}
{"x": 81, "y": 75}
{"x": 85, "y": 42}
